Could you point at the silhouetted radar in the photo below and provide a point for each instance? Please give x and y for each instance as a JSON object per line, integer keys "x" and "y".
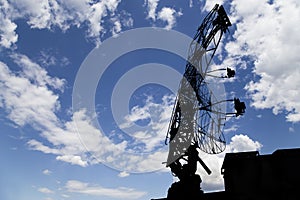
{"x": 198, "y": 115}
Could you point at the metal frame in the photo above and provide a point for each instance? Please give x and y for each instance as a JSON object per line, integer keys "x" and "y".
{"x": 189, "y": 124}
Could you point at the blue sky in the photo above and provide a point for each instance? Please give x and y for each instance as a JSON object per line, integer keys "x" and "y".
{"x": 57, "y": 144}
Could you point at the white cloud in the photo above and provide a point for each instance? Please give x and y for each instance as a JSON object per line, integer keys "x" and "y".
{"x": 74, "y": 160}
{"x": 29, "y": 98}
{"x": 50, "y": 14}
{"x": 136, "y": 113}
{"x": 151, "y": 6}
{"x": 112, "y": 4}
{"x": 240, "y": 143}
{"x": 158, "y": 115}
{"x": 36, "y": 145}
{"x": 123, "y": 174}
{"x": 24, "y": 101}
{"x": 291, "y": 130}
{"x": 36, "y": 73}
{"x": 191, "y": 3}
{"x": 117, "y": 27}
{"x": 45, "y": 190}
{"x": 8, "y": 35}
{"x": 267, "y": 34}
{"x": 38, "y": 11}
{"x": 122, "y": 156}
{"x": 48, "y": 57}
{"x": 120, "y": 21}
{"x": 75, "y": 186}
{"x": 64, "y": 61}
{"x": 168, "y": 15}
{"x": 97, "y": 12}
{"x": 233, "y": 128}
{"x": 211, "y": 4}
{"x": 47, "y": 172}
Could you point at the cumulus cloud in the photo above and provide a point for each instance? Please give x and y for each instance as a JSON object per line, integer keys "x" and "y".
{"x": 26, "y": 102}
{"x": 266, "y": 37}
{"x": 36, "y": 145}
{"x": 158, "y": 115}
{"x": 126, "y": 155}
{"x": 166, "y": 14}
{"x": 27, "y": 98}
{"x": 8, "y": 35}
{"x": 63, "y": 14}
{"x": 34, "y": 72}
{"x": 73, "y": 159}
{"x": 45, "y": 190}
{"x": 151, "y": 5}
{"x": 123, "y": 174}
{"x": 30, "y": 97}
{"x": 47, "y": 172}
{"x": 76, "y": 186}
{"x": 240, "y": 143}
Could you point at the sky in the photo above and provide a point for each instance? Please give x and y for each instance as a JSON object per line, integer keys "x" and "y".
{"x": 87, "y": 89}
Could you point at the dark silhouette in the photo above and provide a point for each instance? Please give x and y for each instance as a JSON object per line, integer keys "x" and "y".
{"x": 188, "y": 185}
{"x": 251, "y": 176}
{"x": 183, "y": 172}
{"x": 230, "y": 73}
{"x": 248, "y": 175}
{"x": 239, "y": 106}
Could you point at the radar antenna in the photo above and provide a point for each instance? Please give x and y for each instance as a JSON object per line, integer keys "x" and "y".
{"x": 197, "y": 119}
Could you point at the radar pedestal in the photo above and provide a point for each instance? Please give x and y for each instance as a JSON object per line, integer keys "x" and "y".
{"x": 186, "y": 189}
{"x": 188, "y": 186}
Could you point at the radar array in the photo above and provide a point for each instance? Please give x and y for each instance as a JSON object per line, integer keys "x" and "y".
{"x": 198, "y": 116}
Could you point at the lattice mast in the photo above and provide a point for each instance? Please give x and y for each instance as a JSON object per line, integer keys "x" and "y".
{"x": 195, "y": 120}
